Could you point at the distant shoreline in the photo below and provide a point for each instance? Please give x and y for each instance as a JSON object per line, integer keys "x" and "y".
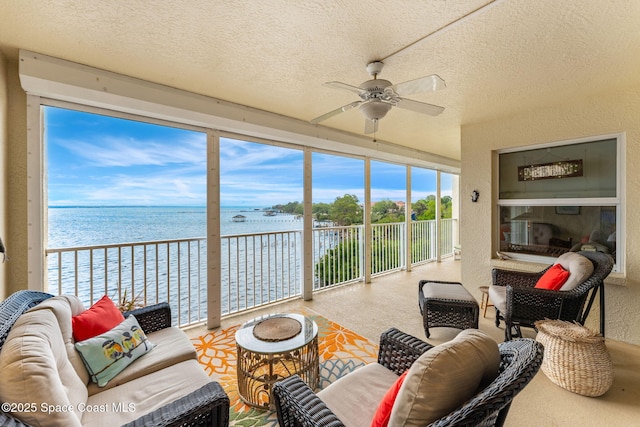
{"x": 154, "y": 206}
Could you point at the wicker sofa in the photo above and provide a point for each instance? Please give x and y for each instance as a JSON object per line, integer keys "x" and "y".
{"x": 165, "y": 387}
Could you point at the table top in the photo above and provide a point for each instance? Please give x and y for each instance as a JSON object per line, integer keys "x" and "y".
{"x": 246, "y": 339}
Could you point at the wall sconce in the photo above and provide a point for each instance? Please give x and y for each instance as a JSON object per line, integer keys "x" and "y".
{"x": 474, "y": 196}
{"x": 3, "y": 251}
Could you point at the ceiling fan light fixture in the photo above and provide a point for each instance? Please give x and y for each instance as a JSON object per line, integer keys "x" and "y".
{"x": 374, "y": 109}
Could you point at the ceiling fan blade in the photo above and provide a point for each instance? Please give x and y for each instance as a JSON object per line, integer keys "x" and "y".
{"x": 419, "y": 107}
{"x": 370, "y": 126}
{"x": 336, "y": 112}
{"x": 422, "y": 84}
{"x": 344, "y": 86}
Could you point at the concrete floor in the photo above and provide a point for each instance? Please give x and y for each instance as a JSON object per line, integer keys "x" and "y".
{"x": 392, "y": 300}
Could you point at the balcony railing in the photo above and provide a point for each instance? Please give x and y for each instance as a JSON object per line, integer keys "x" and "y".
{"x": 257, "y": 269}
{"x": 338, "y": 256}
{"x": 150, "y": 272}
{"x": 260, "y": 269}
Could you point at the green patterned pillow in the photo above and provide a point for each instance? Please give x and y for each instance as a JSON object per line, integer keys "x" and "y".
{"x": 107, "y": 354}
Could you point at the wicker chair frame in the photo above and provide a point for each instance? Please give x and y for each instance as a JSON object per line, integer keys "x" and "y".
{"x": 207, "y": 406}
{"x": 525, "y": 304}
{"x": 297, "y": 405}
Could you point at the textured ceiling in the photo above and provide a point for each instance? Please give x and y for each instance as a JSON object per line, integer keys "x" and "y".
{"x": 274, "y": 55}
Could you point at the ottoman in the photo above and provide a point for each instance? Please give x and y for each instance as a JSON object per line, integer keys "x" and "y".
{"x": 446, "y": 304}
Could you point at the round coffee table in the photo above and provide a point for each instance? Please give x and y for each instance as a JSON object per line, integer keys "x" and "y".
{"x": 272, "y": 348}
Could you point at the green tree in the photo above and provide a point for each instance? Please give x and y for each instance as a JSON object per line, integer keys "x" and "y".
{"x": 425, "y": 209}
{"x": 384, "y": 211}
{"x": 419, "y": 207}
{"x": 339, "y": 264}
{"x": 430, "y": 211}
{"x": 296, "y": 208}
{"x": 345, "y": 210}
{"x": 446, "y": 203}
{"x": 321, "y": 211}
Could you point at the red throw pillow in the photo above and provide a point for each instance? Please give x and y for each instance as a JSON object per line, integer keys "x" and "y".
{"x": 100, "y": 318}
{"x": 383, "y": 413}
{"x": 553, "y": 278}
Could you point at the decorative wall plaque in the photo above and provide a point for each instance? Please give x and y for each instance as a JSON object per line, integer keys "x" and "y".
{"x": 553, "y": 170}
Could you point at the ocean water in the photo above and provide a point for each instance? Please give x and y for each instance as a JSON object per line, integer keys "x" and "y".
{"x": 88, "y": 226}
{"x": 178, "y": 279}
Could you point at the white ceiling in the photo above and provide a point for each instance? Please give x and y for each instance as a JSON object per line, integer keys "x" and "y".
{"x": 506, "y": 57}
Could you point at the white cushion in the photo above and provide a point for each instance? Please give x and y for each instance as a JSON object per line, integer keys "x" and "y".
{"x": 579, "y": 266}
{"x": 354, "y": 398}
{"x": 64, "y": 307}
{"x": 445, "y": 377}
{"x": 35, "y": 369}
{"x": 138, "y": 397}
{"x": 498, "y": 296}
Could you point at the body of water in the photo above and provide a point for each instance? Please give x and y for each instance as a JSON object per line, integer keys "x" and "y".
{"x": 88, "y": 226}
{"x": 255, "y": 270}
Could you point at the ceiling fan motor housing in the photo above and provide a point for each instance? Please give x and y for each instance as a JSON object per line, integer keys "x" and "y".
{"x": 375, "y": 87}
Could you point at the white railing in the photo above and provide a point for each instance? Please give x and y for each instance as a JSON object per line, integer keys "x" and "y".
{"x": 423, "y": 243}
{"x": 256, "y": 269}
{"x": 388, "y": 248}
{"x": 446, "y": 236}
{"x": 338, "y": 255}
{"x": 260, "y": 269}
{"x": 150, "y": 272}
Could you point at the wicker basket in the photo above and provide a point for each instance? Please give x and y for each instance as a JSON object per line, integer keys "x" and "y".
{"x": 575, "y": 358}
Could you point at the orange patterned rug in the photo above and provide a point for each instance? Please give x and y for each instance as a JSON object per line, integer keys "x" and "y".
{"x": 341, "y": 351}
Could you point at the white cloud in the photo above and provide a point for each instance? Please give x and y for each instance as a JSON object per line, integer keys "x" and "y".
{"x": 109, "y": 151}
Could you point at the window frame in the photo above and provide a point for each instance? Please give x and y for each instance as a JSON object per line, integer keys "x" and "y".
{"x": 618, "y": 201}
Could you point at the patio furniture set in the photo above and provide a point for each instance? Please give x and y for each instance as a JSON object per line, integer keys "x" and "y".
{"x": 278, "y": 360}
{"x": 45, "y": 381}
{"x": 449, "y": 304}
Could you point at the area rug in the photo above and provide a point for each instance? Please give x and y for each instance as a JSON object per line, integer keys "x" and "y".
{"x": 340, "y": 349}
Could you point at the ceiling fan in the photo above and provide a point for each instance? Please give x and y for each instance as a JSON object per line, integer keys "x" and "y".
{"x": 377, "y": 96}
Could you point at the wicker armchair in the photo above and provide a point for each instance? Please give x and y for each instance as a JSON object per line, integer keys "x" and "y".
{"x": 207, "y": 406}
{"x": 524, "y": 304}
{"x": 297, "y": 405}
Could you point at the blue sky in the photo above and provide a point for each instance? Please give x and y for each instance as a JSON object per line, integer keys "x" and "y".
{"x": 97, "y": 160}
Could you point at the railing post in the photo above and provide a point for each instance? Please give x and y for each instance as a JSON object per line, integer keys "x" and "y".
{"x": 368, "y": 231}
{"x": 408, "y": 234}
{"x": 214, "y": 270}
{"x": 438, "y": 216}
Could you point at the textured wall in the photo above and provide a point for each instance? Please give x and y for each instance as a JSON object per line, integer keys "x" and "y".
{"x": 607, "y": 113}
{"x": 16, "y": 183}
{"x": 3, "y": 167}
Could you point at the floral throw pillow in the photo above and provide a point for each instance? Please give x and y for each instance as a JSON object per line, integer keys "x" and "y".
{"x": 107, "y": 354}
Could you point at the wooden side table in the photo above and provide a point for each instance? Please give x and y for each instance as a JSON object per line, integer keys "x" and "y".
{"x": 484, "y": 303}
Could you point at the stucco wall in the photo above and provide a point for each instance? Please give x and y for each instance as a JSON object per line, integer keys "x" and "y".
{"x": 3, "y": 167}
{"x": 607, "y": 113}
{"x": 16, "y": 183}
